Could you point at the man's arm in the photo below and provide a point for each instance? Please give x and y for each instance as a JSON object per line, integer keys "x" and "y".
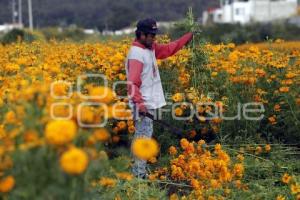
{"x": 135, "y": 69}
{"x": 163, "y": 51}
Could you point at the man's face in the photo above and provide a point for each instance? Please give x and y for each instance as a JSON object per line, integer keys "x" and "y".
{"x": 147, "y": 39}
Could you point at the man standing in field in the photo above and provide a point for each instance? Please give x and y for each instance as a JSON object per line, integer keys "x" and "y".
{"x": 144, "y": 83}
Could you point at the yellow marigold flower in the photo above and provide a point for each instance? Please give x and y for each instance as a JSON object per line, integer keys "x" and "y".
{"x": 214, "y": 183}
{"x": 195, "y": 184}
{"x": 238, "y": 169}
{"x": 125, "y": 176}
{"x": 174, "y": 197}
{"x": 218, "y": 147}
{"x": 280, "y": 197}
{"x": 74, "y": 161}
{"x": 101, "y": 134}
{"x": 7, "y": 184}
{"x": 144, "y": 148}
{"x": 172, "y": 150}
{"x": 268, "y": 148}
{"x": 214, "y": 74}
{"x": 59, "y": 89}
{"x": 87, "y": 114}
{"x": 10, "y": 117}
{"x": 240, "y": 157}
{"x": 178, "y": 97}
{"x": 102, "y": 94}
{"x": 108, "y": 182}
{"x": 122, "y": 77}
{"x": 152, "y": 160}
{"x": 258, "y": 150}
{"x": 184, "y": 143}
{"x": 59, "y": 132}
{"x": 295, "y": 188}
{"x": 286, "y": 178}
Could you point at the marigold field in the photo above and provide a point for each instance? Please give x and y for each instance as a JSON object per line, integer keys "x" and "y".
{"x": 49, "y": 148}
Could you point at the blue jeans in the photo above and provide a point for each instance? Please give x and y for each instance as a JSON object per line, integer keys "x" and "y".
{"x": 143, "y": 128}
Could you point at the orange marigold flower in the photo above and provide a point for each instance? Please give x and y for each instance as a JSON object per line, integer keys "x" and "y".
{"x": 7, "y": 184}
{"x": 125, "y": 176}
{"x": 268, "y": 148}
{"x": 277, "y": 108}
{"x": 184, "y": 143}
{"x": 108, "y": 182}
{"x": 172, "y": 150}
{"x": 284, "y": 89}
{"x": 101, "y": 134}
{"x": 178, "y": 111}
{"x": 272, "y": 119}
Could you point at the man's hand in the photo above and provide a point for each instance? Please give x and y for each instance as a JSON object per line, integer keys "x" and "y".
{"x": 142, "y": 110}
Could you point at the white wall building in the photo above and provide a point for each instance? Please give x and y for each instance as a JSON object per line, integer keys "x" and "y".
{"x": 245, "y": 11}
{"x": 4, "y": 28}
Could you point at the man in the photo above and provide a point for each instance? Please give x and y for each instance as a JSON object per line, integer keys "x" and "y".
{"x": 144, "y": 83}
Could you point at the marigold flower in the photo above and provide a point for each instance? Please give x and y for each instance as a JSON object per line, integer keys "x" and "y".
{"x": 178, "y": 97}
{"x": 144, "y": 148}
{"x": 184, "y": 143}
{"x": 102, "y": 94}
{"x": 122, "y": 125}
{"x": 108, "y": 182}
{"x": 172, "y": 150}
{"x": 277, "y": 108}
{"x": 125, "y": 176}
{"x": 268, "y": 147}
{"x": 284, "y": 89}
{"x": 280, "y": 197}
{"x": 59, "y": 132}
{"x": 240, "y": 157}
{"x": 131, "y": 129}
{"x": 258, "y": 150}
{"x": 101, "y": 134}
{"x": 286, "y": 178}
{"x": 272, "y": 119}
{"x": 238, "y": 170}
{"x": 6, "y": 184}
{"x": 295, "y": 188}
{"x": 178, "y": 111}
{"x": 74, "y": 161}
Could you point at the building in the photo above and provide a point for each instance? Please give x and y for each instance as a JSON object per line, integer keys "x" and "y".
{"x": 246, "y": 11}
{"x": 4, "y": 28}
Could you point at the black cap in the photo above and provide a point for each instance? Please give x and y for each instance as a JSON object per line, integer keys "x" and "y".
{"x": 147, "y": 26}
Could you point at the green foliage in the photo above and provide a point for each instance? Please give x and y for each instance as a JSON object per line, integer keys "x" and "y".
{"x": 16, "y": 35}
{"x": 239, "y": 34}
{"x": 70, "y": 33}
